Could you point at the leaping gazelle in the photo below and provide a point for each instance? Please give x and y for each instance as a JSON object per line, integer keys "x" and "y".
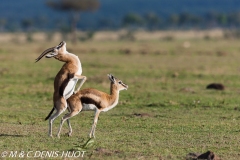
{"x": 93, "y": 100}
{"x": 65, "y": 80}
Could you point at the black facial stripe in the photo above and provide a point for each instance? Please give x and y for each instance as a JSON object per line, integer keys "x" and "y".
{"x": 124, "y": 85}
{"x": 60, "y": 45}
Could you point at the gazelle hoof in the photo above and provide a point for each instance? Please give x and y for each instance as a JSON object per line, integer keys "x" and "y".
{"x": 91, "y": 136}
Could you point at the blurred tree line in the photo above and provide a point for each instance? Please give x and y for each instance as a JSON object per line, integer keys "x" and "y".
{"x": 74, "y": 7}
{"x": 149, "y": 21}
{"x": 152, "y": 21}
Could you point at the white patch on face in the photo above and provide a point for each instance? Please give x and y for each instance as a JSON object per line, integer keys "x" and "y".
{"x": 52, "y": 54}
{"x": 89, "y": 107}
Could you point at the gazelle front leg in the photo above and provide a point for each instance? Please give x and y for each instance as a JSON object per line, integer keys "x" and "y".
{"x": 92, "y": 133}
{"x": 82, "y": 80}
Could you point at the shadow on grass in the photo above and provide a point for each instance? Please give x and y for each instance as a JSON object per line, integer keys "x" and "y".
{"x": 11, "y": 135}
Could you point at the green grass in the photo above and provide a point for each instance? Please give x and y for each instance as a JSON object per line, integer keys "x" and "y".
{"x": 165, "y": 114}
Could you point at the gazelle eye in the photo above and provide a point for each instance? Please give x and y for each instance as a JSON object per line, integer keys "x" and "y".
{"x": 120, "y": 82}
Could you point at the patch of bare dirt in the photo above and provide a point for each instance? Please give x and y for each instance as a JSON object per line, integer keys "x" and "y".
{"x": 107, "y": 152}
{"x": 142, "y": 115}
{"x": 187, "y": 90}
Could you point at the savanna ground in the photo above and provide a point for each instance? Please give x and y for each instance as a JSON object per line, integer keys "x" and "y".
{"x": 165, "y": 114}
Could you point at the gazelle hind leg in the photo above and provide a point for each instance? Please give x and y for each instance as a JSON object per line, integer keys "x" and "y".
{"x": 92, "y": 133}
{"x": 60, "y": 107}
{"x": 70, "y": 128}
{"x": 69, "y": 124}
{"x": 74, "y": 110}
{"x": 66, "y": 117}
{"x": 51, "y": 120}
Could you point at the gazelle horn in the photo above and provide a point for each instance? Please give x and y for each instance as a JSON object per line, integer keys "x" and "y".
{"x": 50, "y": 50}
{"x": 45, "y": 52}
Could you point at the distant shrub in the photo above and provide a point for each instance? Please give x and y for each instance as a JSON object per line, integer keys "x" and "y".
{"x": 232, "y": 34}
{"x": 207, "y": 37}
{"x": 88, "y": 36}
{"x": 125, "y": 51}
{"x": 29, "y": 37}
{"x": 127, "y": 36}
{"x": 168, "y": 38}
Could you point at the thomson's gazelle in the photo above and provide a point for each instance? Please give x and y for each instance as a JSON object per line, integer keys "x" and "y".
{"x": 93, "y": 100}
{"x": 65, "y": 81}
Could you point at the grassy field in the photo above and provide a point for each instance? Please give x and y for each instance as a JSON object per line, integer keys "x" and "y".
{"x": 165, "y": 114}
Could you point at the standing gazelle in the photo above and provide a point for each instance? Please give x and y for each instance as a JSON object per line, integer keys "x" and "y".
{"x": 65, "y": 81}
{"x": 93, "y": 100}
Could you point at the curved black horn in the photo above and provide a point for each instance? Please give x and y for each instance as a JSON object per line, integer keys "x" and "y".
{"x": 45, "y": 52}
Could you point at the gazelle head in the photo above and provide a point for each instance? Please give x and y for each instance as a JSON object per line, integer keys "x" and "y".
{"x": 116, "y": 83}
{"x": 54, "y": 51}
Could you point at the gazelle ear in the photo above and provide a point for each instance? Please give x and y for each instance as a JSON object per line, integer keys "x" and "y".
{"x": 111, "y": 78}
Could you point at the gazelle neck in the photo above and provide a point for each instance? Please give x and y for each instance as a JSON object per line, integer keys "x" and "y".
{"x": 69, "y": 58}
{"x": 74, "y": 59}
{"x": 112, "y": 99}
{"x": 113, "y": 90}
{"x": 114, "y": 96}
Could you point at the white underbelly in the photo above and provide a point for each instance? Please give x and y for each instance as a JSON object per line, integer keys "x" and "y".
{"x": 69, "y": 89}
{"x": 88, "y": 107}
